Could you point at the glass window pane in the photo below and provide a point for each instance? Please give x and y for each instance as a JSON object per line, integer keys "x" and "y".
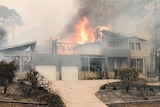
{"x": 133, "y": 62}
{"x": 115, "y": 44}
{"x": 131, "y": 46}
{"x": 111, "y": 64}
{"x": 140, "y": 65}
{"x": 138, "y": 46}
{"x": 84, "y": 64}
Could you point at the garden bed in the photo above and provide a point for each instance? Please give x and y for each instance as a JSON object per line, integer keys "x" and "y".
{"x": 116, "y": 93}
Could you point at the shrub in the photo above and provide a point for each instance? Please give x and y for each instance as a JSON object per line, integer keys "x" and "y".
{"x": 145, "y": 98}
{"x": 151, "y": 89}
{"x": 127, "y": 76}
{"x": 103, "y": 87}
{"x": 89, "y": 75}
{"x": 114, "y": 88}
{"x": 7, "y": 73}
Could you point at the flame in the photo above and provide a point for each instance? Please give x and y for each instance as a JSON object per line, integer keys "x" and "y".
{"x": 83, "y": 31}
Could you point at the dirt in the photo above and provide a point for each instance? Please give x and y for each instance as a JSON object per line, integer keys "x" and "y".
{"x": 109, "y": 96}
{"x": 115, "y": 93}
{"x": 14, "y": 94}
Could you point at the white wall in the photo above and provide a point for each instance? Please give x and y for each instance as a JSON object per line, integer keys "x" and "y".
{"x": 89, "y": 49}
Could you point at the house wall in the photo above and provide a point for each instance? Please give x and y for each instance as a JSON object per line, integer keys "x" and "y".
{"x": 45, "y": 59}
{"x": 124, "y": 50}
{"x": 58, "y": 61}
{"x": 124, "y": 43}
{"x": 89, "y": 49}
{"x": 139, "y": 54}
{"x": 70, "y": 60}
{"x": 116, "y": 52}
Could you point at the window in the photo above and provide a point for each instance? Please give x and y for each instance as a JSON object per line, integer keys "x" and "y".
{"x": 84, "y": 64}
{"x": 138, "y": 46}
{"x": 111, "y": 64}
{"x": 137, "y": 63}
{"x": 133, "y": 63}
{"x": 115, "y": 44}
{"x": 119, "y": 63}
{"x": 140, "y": 65}
{"x": 131, "y": 46}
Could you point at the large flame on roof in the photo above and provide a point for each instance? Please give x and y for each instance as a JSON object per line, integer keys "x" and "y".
{"x": 83, "y": 31}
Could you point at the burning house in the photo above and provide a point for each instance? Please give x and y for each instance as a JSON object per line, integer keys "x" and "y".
{"x": 112, "y": 51}
{"x": 102, "y": 50}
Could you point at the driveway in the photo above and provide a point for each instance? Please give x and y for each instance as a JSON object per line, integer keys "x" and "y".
{"x": 80, "y": 93}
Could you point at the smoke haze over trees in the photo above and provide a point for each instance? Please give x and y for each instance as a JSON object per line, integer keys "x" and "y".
{"x": 3, "y": 34}
{"x": 9, "y": 17}
{"x": 9, "y": 20}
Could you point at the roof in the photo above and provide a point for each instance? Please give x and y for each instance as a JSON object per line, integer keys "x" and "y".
{"x": 122, "y": 35}
{"x": 20, "y": 47}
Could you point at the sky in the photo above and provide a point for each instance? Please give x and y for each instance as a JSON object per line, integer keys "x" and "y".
{"x": 50, "y": 16}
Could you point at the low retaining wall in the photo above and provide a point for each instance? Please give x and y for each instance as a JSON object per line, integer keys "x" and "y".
{"x": 141, "y": 103}
{"x": 88, "y": 75}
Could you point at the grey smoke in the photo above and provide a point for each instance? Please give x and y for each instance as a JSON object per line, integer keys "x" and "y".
{"x": 126, "y": 16}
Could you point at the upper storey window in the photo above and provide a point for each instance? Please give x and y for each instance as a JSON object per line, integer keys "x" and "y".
{"x": 131, "y": 46}
{"x": 115, "y": 44}
{"x": 138, "y": 46}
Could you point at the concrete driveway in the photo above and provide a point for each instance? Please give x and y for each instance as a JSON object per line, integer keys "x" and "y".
{"x": 80, "y": 93}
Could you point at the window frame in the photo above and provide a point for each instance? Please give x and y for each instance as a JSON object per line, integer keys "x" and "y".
{"x": 131, "y": 45}
{"x": 138, "y": 46}
{"x": 114, "y": 43}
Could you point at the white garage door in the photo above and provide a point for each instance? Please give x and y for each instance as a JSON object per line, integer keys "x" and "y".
{"x": 69, "y": 73}
{"x": 48, "y": 71}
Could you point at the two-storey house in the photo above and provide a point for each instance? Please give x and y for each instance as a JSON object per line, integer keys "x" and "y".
{"x": 113, "y": 51}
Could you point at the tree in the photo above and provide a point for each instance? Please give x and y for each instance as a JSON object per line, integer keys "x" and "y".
{"x": 9, "y": 17}
{"x": 7, "y": 73}
{"x": 9, "y": 20}
{"x": 3, "y": 34}
{"x": 127, "y": 76}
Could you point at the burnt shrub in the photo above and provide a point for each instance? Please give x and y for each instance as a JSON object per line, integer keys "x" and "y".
{"x": 114, "y": 88}
{"x": 145, "y": 98}
{"x": 138, "y": 88}
{"x": 151, "y": 89}
{"x": 103, "y": 87}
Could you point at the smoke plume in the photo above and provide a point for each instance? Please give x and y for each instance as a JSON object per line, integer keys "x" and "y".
{"x": 135, "y": 17}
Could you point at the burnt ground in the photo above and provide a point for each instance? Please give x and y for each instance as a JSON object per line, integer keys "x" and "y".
{"x": 15, "y": 93}
{"x": 114, "y": 92}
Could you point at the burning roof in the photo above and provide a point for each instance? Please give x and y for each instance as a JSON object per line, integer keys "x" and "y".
{"x": 84, "y": 33}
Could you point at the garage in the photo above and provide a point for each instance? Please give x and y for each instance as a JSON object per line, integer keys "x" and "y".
{"x": 48, "y": 71}
{"x": 69, "y": 73}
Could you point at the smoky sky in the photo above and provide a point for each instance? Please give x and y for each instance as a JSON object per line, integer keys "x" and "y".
{"x": 56, "y": 17}
{"x": 134, "y": 17}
